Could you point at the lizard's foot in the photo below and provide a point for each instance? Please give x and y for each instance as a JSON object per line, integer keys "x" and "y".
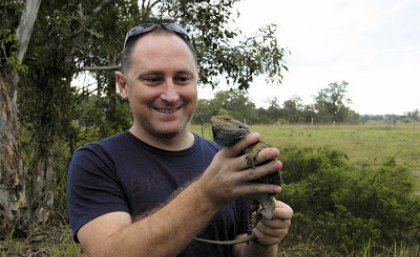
{"x": 253, "y": 218}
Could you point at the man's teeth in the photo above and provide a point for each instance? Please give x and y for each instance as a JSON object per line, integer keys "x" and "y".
{"x": 166, "y": 110}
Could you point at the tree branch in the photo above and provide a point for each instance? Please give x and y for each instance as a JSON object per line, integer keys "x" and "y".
{"x": 26, "y": 24}
{"x": 88, "y": 22}
{"x": 150, "y": 6}
{"x": 101, "y": 6}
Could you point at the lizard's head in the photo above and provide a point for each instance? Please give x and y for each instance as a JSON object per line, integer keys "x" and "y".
{"x": 227, "y": 131}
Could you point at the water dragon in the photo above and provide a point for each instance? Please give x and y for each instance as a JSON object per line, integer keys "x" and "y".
{"x": 226, "y": 132}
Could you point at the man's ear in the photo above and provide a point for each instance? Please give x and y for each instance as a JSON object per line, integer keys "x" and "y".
{"x": 122, "y": 84}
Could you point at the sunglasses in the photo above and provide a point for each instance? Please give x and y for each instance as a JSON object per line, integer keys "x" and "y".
{"x": 144, "y": 28}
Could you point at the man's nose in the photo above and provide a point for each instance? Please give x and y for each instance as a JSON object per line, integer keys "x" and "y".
{"x": 170, "y": 93}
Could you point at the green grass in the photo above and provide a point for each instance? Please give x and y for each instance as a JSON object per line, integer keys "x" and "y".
{"x": 361, "y": 143}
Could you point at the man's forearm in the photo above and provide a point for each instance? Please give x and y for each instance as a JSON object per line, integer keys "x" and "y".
{"x": 167, "y": 231}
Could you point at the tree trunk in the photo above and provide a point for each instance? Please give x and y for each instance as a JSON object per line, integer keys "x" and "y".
{"x": 12, "y": 186}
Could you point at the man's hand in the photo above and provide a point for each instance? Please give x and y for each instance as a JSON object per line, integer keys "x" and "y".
{"x": 228, "y": 176}
{"x": 272, "y": 232}
{"x": 269, "y": 234}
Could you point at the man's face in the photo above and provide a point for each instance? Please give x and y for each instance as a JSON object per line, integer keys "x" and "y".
{"x": 161, "y": 85}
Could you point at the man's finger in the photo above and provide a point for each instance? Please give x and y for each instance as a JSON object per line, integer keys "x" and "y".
{"x": 248, "y": 140}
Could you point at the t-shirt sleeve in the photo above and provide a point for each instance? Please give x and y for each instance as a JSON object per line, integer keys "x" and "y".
{"x": 93, "y": 188}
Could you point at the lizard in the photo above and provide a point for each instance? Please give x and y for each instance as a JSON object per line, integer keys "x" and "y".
{"x": 226, "y": 132}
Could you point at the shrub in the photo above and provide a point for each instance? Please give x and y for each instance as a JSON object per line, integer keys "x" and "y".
{"x": 345, "y": 205}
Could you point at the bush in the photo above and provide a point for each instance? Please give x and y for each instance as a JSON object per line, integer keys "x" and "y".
{"x": 346, "y": 207}
{"x": 302, "y": 162}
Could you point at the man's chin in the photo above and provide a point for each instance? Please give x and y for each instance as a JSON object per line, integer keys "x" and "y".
{"x": 169, "y": 132}
{"x": 165, "y": 129}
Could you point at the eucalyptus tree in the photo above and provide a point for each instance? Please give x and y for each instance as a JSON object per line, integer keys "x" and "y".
{"x": 49, "y": 106}
{"x": 292, "y": 110}
{"x": 15, "y": 33}
{"x": 331, "y": 102}
{"x": 44, "y": 96}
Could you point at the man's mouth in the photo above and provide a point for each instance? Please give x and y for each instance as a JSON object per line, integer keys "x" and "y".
{"x": 167, "y": 110}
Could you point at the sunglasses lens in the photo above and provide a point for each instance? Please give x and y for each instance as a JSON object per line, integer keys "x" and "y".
{"x": 177, "y": 29}
{"x": 144, "y": 28}
{"x": 139, "y": 30}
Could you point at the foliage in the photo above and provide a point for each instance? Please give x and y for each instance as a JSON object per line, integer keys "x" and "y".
{"x": 292, "y": 109}
{"x": 303, "y": 162}
{"x": 8, "y": 50}
{"x": 346, "y": 207}
{"x": 45, "y": 102}
{"x": 330, "y": 103}
{"x": 238, "y": 104}
{"x": 223, "y": 50}
{"x": 9, "y": 14}
{"x": 233, "y": 102}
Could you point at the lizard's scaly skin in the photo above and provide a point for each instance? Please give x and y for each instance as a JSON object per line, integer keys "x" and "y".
{"x": 226, "y": 132}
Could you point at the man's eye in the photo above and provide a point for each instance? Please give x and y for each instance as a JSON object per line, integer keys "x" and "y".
{"x": 183, "y": 79}
{"x": 152, "y": 79}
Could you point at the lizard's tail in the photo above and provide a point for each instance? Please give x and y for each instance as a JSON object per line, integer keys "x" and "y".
{"x": 228, "y": 242}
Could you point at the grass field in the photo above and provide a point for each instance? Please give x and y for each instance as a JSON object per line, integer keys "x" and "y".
{"x": 361, "y": 143}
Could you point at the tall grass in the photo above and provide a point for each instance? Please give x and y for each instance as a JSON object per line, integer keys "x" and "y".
{"x": 398, "y": 250}
{"x": 312, "y": 249}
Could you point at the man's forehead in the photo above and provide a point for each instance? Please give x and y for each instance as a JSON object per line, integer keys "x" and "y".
{"x": 156, "y": 39}
{"x": 160, "y": 47}
{"x": 161, "y": 56}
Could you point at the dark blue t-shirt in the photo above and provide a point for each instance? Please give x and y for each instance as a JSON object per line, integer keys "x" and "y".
{"x": 122, "y": 173}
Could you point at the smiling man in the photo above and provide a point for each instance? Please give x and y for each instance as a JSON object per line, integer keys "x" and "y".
{"x": 161, "y": 87}
{"x": 150, "y": 190}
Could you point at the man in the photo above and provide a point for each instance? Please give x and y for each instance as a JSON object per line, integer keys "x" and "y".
{"x": 150, "y": 190}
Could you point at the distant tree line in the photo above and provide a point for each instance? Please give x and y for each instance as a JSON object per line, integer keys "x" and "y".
{"x": 329, "y": 108}
{"x": 408, "y": 117}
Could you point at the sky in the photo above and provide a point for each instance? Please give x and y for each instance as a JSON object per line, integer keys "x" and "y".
{"x": 374, "y": 45}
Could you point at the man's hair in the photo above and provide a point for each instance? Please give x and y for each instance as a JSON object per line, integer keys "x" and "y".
{"x": 128, "y": 48}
